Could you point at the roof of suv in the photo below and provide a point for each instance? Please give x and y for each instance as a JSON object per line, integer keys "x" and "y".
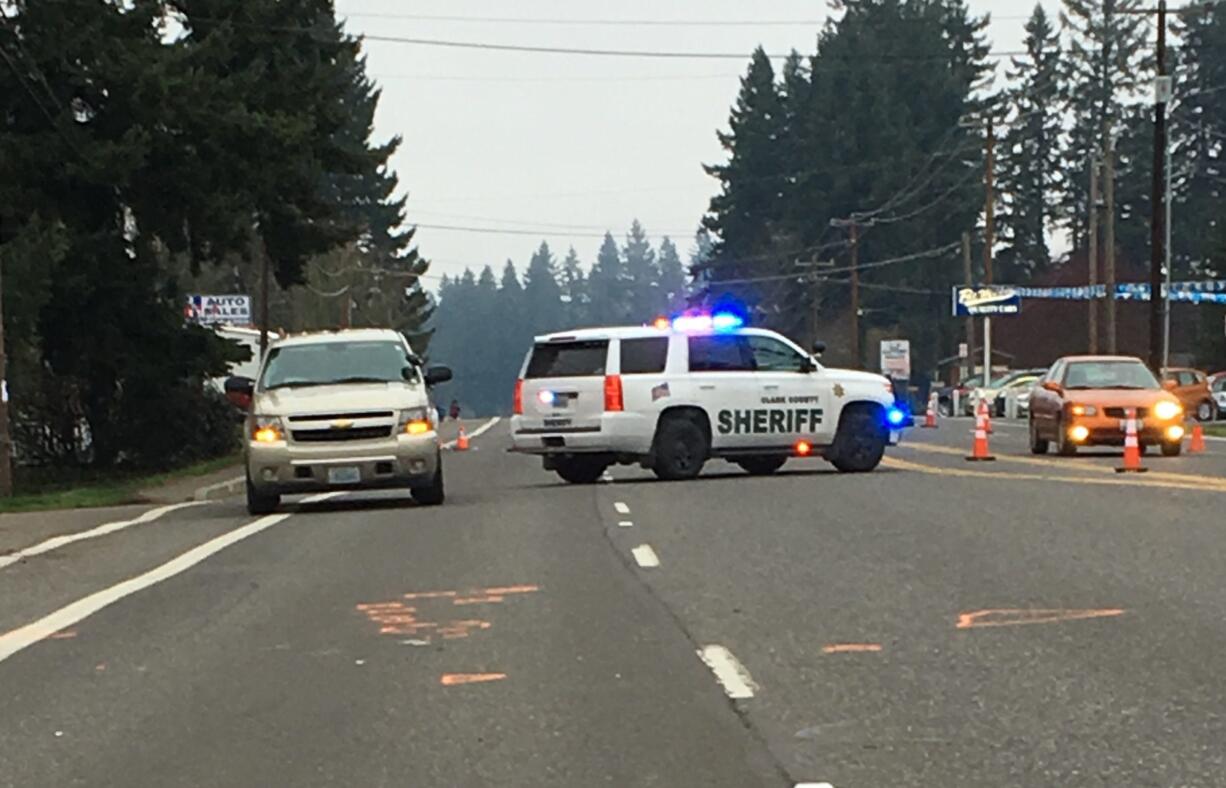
{"x": 343, "y": 335}
{"x": 634, "y": 332}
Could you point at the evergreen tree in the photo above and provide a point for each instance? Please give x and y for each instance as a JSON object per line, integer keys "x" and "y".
{"x": 1029, "y": 169}
{"x": 608, "y": 287}
{"x": 1108, "y": 62}
{"x": 672, "y": 278}
{"x": 542, "y": 295}
{"x": 642, "y": 275}
{"x": 574, "y": 291}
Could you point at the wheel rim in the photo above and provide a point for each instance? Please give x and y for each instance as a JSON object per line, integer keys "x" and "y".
{"x": 1204, "y": 411}
{"x": 683, "y": 457}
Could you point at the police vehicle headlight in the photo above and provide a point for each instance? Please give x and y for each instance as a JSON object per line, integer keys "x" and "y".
{"x": 415, "y": 421}
{"x": 1167, "y": 410}
{"x": 267, "y": 429}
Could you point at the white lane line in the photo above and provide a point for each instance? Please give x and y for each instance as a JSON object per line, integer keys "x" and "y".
{"x": 814, "y": 785}
{"x": 18, "y": 639}
{"x": 477, "y": 433}
{"x": 729, "y": 672}
{"x": 101, "y": 530}
{"x": 625, "y": 523}
{"x": 621, "y": 508}
{"x": 204, "y": 492}
{"x": 646, "y": 557}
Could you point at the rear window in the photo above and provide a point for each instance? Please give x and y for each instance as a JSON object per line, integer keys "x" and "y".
{"x": 568, "y": 360}
{"x": 644, "y": 356}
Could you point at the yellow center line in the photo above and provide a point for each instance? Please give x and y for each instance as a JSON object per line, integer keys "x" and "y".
{"x": 1131, "y": 481}
{"x": 1069, "y": 463}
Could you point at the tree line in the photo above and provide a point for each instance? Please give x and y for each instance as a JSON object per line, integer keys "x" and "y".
{"x": 876, "y": 142}
{"x": 485, "y": 322}
{"x": 157, "y": 147}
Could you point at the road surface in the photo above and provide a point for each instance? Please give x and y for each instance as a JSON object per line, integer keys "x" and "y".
{"x": 1028, "y": 622}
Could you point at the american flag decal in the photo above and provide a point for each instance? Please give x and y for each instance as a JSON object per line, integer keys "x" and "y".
{"x": 659, "y": 392}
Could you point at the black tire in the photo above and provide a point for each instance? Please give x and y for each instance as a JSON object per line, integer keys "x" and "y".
{"x": 761, "y": 466}
{"x": 860, "y": 442}
{"x": 260, "y": 503}
{"x": 433, "y": 494}
{"x": 1064, "y": 446}
{"x": 1037, "y": 445}
{"x": 681, "y": 449}
{"x": 945, "y": 407}
{"x": 1172, "y": 449}
{"x": 1206, "y": 411}
{"x": 581, "y": 470}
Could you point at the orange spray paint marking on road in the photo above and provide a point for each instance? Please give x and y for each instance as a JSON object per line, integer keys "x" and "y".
{"x": 64, "y": 634}
{"x": 1008, "y": 617}
{"x": 851, "y": 648}
{"x": 430, "y": 595}
{"x": 454, "y": 679}
{"x": 511, "y": 590}
{"x": 479, "y": 600}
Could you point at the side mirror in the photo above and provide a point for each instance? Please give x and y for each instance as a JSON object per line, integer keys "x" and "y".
{"x": 240, "y": 391}
{"x": 1053, "y": 387}
{"x": 807, "y": 367}
{"x": 1170, "y": 385}
{"x": 437, "y": 375}
{"x": 819, "y": 347}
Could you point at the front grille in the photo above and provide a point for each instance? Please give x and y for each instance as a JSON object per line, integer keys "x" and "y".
{"x": 377, "y": 414}
{"x": 337, "y": 436}
{"x": 1122, "y": 413}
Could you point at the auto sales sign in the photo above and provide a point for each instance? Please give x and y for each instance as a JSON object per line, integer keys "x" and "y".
{"x": 986, "y": 301}
{"x": 218, "y": 309}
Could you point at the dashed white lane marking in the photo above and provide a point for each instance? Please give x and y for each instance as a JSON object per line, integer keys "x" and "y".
{"x": 18, "y": 639}
{"x": 101, "y": 530}
{"x": 477, "y": 433}
{"x": 646, "y": 557}
{"x": 625, "y": 523}
{"x": 814, "y": 785}
{"x": 729, "y": 672}
{"x": 621, "y": 508}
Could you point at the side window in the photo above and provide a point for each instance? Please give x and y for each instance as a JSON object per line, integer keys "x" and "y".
{"x": 1187, "y": 379}
{"x": 720, "y": 353}
{"x": 771, "y": 355}
{"x": 644, "y": 356}
{"x": 1055, "y": 372}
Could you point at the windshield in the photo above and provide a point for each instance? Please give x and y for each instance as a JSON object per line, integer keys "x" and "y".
{"x": 329, "y": 363}
{"x": 1109, "y": 375}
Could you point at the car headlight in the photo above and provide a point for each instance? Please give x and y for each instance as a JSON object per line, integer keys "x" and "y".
{"x": 415, "y": 421}
{"x": 1084, "y": 410}
{"x": 1167, "y": 410}
{"x": 267, "y": 429}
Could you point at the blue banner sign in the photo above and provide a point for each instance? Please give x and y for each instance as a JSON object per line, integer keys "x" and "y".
{"x": 986, "y": 301}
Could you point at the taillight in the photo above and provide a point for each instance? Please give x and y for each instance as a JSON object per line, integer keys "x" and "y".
{"x": 519, "y": 397}
{"x": 613, "y": 393}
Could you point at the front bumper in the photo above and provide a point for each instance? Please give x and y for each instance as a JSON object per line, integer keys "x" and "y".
{"x": 287, "y": 468}
{"x": 1105, "y": 431}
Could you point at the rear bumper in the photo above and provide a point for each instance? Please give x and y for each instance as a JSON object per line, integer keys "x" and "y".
{"x": 614, "y": 433}
{"x": 287, "y": 469}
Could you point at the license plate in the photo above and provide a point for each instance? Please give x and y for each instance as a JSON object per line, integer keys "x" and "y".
{"x": 344, "y": 475}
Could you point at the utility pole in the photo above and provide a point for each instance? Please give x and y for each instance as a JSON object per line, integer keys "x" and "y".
{"x": 1166, "y": 299}
{"x": 1093, "y": 253}
{"x": 969, "y": 278}
{"x": 1158, "y": 202}
{"x": 6, "y": 440}
{"x": 1109, "y": 241}
{"x": 260, "y": 257}
{"x": 989, "y": 213}
{"x": 855, "y": 294}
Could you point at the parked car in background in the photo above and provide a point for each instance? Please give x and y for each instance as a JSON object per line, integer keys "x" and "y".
{"x": 1218, "y": 387}
{"x": 988, "y": 393}
{"x": 1018, "y": 388}
{"x": 1191, "y": 387}
{"x": 945, "y": 394}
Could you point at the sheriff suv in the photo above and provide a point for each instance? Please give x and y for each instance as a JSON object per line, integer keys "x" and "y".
{"x": 340, "y": 410}
{"x": 671, "y": 396}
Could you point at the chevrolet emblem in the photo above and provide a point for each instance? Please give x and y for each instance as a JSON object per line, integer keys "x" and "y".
{"x": 342, "y": 424}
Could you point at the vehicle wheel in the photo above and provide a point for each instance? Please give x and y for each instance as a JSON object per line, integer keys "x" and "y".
{"x": 681, "y": 450}
{"x": 1204, "y": 411}
{"x": 1064, "y": 446}
{"x": 860, "y": 442}
{"x": 1037, "y": 445}
{"x": 1172, "y": 449}
{"x": 761, "y": 466}
{"x": 434, "y": 493}
{"x": 945, "y": 408}
{"x": 260, "y": 503}
{"x": 581, "y": 470}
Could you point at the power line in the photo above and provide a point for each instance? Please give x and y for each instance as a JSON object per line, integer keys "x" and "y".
{"x": 935, "y": 252}
{"x": 590, "y": 22}
{"x": 532, "y": 232}
{"x": 551, "y": 225}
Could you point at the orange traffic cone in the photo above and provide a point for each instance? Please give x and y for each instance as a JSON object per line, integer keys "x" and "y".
{"x": 1132, "y": 447}
{"x": 930, "y": 417}
{"x": 979, "y": 451}
{"x": 461, "y": 443}
{"x": 1197, "y": 444}
{"x": 987, "y": 415}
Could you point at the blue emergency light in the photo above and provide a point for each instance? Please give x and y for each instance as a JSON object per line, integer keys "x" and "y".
{"x": 895, "y": 416}
{"x": 719, "y": 321}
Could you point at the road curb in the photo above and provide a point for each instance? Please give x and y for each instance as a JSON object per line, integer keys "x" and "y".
{"x": 220, "y": 490}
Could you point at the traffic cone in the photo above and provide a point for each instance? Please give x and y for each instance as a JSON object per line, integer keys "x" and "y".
{"x": 979, "y": 451}
{"x": 1197, "y": 444}
{"x": 1132, "y": 447}
{"x": 987, "y": 416}
{"x": 930, "y": 417}
{"x": 461, "y": 443}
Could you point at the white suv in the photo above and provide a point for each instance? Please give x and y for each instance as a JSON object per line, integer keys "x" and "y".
{"x": 672, "y": 396}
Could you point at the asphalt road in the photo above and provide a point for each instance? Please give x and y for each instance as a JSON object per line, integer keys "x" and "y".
{"x": 1036, "y": 621}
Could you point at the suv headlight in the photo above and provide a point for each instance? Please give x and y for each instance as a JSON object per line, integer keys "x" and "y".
{"x": 267, "y": 429}
{"x": 415, "y": 421}
{"x": 1167, "y": 410}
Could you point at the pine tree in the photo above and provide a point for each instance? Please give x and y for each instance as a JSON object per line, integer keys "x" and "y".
{"x": 1029, "y": 161}
{"x": 1108, "y": 62}
{"x": 607, "y": 285}
{"x": 642, "y": 275}
{"x": 542, "y": 295}
{"x": 574, "y": 287}
{"x": 672, "y": 277}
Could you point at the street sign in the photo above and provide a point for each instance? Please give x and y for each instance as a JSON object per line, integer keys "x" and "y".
{"x": 986, "y": 301}
{"x": 896, "y": 358}
{"x": 218, "y": 309}
{"x": 964, "y": 350}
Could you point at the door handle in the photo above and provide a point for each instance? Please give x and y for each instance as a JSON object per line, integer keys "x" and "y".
{"x": 772, "y": 387}
{"x": 708, "y": 387}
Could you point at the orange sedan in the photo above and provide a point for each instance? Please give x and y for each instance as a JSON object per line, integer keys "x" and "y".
{"x": 1084, "y": 401}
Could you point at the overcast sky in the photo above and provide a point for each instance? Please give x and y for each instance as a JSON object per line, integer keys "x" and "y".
{"x": 572, "y": 144}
